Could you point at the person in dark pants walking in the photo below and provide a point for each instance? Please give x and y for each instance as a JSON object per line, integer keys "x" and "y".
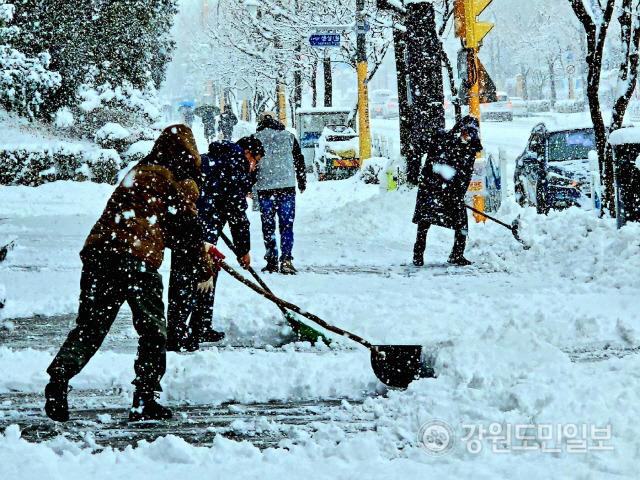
{"x": 227, "y": 168}
{"x": 151, "y": 208}
{"x": 444, "y": 181}
{"x": 282, "y": 165}
{"x": 227, "y": 121}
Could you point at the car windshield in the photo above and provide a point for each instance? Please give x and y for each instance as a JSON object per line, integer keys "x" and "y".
{"x": 574, "y": 145}
{"x": 315, "y": 123}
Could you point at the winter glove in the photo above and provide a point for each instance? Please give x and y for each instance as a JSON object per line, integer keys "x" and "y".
{"x": 206, "y": 286}
{"x": 214, "y": 255}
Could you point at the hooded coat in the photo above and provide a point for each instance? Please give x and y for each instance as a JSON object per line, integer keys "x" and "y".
{"x": 227, "y": 182}
{"x": 446, "y": 176}
{"x": 154, "y": 207}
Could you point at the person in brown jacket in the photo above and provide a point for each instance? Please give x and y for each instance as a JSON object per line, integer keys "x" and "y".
{"x": 152, "y": 208}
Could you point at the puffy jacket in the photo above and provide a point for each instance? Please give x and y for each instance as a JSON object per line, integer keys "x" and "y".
{"x": 227, "y": 182}
{"x": 153, "y": 207}
{"x": 283, "y": 162}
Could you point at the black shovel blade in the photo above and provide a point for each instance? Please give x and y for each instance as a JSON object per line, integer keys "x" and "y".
{"x": 399, "y": 365}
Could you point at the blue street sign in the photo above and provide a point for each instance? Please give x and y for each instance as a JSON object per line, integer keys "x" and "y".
{"x": 325, "y": 40}
{"x": 364, "y": 27}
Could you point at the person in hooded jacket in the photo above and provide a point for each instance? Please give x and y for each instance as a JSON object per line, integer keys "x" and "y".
{"x": 282, "y": 165}
{"x": 227, "y": 169}
{"x": 227, "y": 121}
{"x": 444, "y": 181}
{"x": 152, "y": 208}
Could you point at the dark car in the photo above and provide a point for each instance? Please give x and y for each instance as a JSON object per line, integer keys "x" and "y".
{"x": 553, "y": 171}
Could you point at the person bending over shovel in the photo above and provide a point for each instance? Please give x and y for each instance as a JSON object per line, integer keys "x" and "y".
{"x": 444, "y": 181}
{"x": 152, "y": 208}
{"x": 228, "y": 178}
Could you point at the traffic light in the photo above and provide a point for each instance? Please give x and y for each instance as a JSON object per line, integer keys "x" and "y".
{"x": 466, "y": 26}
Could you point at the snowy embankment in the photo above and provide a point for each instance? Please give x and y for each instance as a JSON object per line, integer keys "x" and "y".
{"x": 501, "y": 326}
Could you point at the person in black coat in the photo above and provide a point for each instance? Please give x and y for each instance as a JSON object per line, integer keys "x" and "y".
{"x": 444, "y": 181}
{"x": 227, "y": 169}
{"x": 227, "y": 121}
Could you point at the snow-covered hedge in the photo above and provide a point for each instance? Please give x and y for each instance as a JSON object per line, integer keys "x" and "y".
{"x": 535, "y": 106}
{"x": 35, "y": 164}
{"x": 570, "y": 106}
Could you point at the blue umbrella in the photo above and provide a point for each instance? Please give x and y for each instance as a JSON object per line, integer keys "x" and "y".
{"x": 187, "y": 103}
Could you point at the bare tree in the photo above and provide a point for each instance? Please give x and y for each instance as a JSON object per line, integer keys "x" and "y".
{"x": 596, "y": 17}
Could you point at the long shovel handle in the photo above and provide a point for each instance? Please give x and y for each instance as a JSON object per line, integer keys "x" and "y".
{"x": 489, "y": 217}
{"x": 253, "y": 273}
{"x": 284, "y": 304}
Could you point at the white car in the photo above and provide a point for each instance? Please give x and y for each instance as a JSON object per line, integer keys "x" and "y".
{"x": 520, "y": 108}
{"x": 502, "y": 109}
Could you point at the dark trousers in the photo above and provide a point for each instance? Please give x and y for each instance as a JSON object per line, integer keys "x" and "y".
{"x": 108, "y": 281}
{"x": 185, "y": 300}
{"x": 459, "y": 243}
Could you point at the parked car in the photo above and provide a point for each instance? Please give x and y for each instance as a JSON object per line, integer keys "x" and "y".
{"x": 553, "y": 171}
{"x": 392, "y": 110}
{"x": 519, "y": 107}
{"x": 502, "y": 109}
{"x": 337, "y": 153}
{"x": 378, "y": 100}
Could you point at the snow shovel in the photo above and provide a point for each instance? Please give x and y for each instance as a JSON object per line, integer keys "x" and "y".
{"x": 394, "y": 365}
{"x": 303, "y": 331}
{"x": 513, "y": 227}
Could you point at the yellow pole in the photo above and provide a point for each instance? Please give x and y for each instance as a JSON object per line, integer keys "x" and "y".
{"x": 474, "y": 109}
{"x": 282, "y": 104}
{"x": 244, "y": 110}
{"x": 363, "y": 113}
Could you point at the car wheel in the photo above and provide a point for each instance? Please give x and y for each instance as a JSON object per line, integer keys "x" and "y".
{"x": 510, "y": 117}
{"x": 542, "y": 206}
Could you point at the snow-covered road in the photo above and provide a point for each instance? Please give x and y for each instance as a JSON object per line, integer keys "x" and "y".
{"x": 503, "y": 327}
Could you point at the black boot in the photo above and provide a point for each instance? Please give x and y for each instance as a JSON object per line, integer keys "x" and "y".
{"x": 272, "y": 266}
{"x": 145, "y": 408}
{"x": 459, "y": 261}
{"x": 418, "y": 258}
{"x": 421, "y": 244}
{"x": 56, "y": 406}
{"x": 457, "y": 253}
{"x": 208, "y": 334}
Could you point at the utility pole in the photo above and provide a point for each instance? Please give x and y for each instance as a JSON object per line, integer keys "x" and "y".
{"x": 404, "y": 109}
{"x": 363, "y": 88}
{"x": 424, "y": 63}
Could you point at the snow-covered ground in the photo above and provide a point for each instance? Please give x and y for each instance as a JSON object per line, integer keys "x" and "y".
{"x": 503, "y": 329}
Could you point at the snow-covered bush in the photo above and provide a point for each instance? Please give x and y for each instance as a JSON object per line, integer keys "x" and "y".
{"x": 113, "y": 135}
{"x": 115, "y": 117}
{"x": 34, "y": 165}
{"x": 535, "y": 106}
{"x": 64, "y": 118}
{"x": 25, "y": 81}
{"x": 371, "y": 170}
{"x": 570, "y": 106}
